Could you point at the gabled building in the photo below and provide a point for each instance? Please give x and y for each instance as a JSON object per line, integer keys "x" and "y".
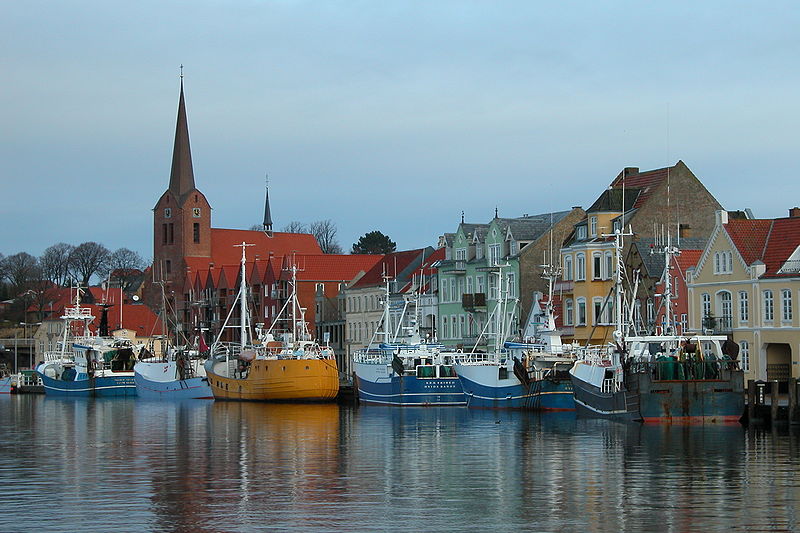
{"x": 746, "y": 285}
{"x": 469, "y": 281}
{"x": 364, "y": 297}
{"x": 186, "y": 244}
{"x": 646, "y": 202}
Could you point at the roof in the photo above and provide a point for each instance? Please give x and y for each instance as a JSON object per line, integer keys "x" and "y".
{"x": 771, "y": 241}
{"x": 646, "y": 182}
{"x": 181, "y": 177}
{"x": 329, "y": 267}
{"x": 654, "y": 263}
{"x": 425, "y": 270}
{"x": 394, "y": 265}
{"x": 530, "y": 228}
{"x": 225, "y": 252}
{"x": 749, "y": 237}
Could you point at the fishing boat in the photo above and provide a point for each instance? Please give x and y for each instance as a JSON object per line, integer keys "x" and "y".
{"x": 177, "y": 374}
{"x": 5, "y": 379}
{"x": 519, "y": 375}
{"x": 271, "y": 366}
{"x": 657, "y": 378}
{"x": 86, "y": 364}
{"x": 405, "y": 371}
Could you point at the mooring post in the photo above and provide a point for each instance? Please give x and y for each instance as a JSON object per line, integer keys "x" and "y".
{"x": 751, "y": 401}
{"x": 773, "y": 411}
{"x": 792, "y": 400}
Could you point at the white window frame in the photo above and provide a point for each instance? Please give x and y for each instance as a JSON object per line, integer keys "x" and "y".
{"x": 744, "y": 352}
{"x": 580, "y": 266}
{"x": 744, "y": 307}
{"x": 768, "y": 299}
{"x": 566, "y": 275}
{"x": 786, "y": 305}
{"x": 580, "y": 303}
{"x": 569, "y": 312}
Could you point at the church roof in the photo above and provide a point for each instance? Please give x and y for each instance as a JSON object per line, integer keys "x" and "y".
{"x": 181, "y": 178}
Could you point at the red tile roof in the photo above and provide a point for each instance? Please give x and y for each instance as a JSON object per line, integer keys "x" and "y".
{"x": 771, "y": 241}
{"x": 749, "y": 237}
{"x": 687, "y": 259}
{"x": 329, "y": 267}
{"x": 647, "y": 182}
{"x": 224, "y": 251}
{"x": 391, "y": 264}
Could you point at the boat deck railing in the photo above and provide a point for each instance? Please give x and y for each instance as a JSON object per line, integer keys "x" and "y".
{"x": 672, "y": 369}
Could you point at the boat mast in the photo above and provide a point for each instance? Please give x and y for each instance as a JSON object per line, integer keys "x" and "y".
{"x": 386, "y": 337}
{"x": 243, "y": 322}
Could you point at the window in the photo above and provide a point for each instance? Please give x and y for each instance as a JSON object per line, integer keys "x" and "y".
{"x": 568, "y": 312}
{"x": 609, "y": 265}
{"x": 461, "y": 254}
{"x": 479, "y": 281}
{"x": 725, "y": 310}
{"x": 470, "y": 285}
{"x": 769, "y": 306}
{"x": 593, "y": 226}
{"x": 786, "y": 297}
{"x": 581, "y": 312}
{"x": 169, "y": 266}
{"x": 597, "y": 265}
{"x": 567, "y": 275}
{"x": 581, "y": 232}
{"x": 479, "y": 251}
{"x": 171, "y": 232}
{"x": 723, "y": 262}
{"x": 164, "y": 239}
{"x": 651, "y": 312}
{"x": 744, "y": 353}
{"x": 580, "y": 267}
{"x": 494, "y": 254}
{"x": 462, "y": 320}
{"x": 512, "y": 247}
{"x": 445, "y": 291}
{"x": 492, "y": 287}
{"x": 511, "y": 285}
{"x": 597, "y": 304}
{"x": 196, "y": 232}
{"x": 744, "y": 308}
{"x": 445, "y": 328}
{"x": 706, "y": 298}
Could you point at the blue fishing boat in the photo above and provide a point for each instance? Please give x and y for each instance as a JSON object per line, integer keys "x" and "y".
{"x": 84, "y": 364}
{"x": 179, "y": 378}
{"x": 519, "y": 375}
{"x": 406, "y": 372}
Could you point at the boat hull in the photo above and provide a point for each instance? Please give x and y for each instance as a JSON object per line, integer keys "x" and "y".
{"x": 158, "y": 381}
{"x": 690, "y": 401}
{"x": 485, "y": 390}
{"x": 105, "y": 386}
{"x": 5, "y": 385}
{"x": 379, "y": 386}
{"x": 288, "y": 380}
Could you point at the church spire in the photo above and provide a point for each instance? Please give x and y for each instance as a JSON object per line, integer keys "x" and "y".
{"x": 267, "y": 214}
{"x": 181, "y": 178}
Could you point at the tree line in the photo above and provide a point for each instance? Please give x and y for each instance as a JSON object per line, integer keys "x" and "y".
{"x": 30, "y": 280}
{"x": 373, "y": 242}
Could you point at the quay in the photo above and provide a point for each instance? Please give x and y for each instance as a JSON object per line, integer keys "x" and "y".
{"x": 772, "y": 402}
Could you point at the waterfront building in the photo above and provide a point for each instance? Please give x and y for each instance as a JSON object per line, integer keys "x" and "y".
{"x": 646, "y": 202}
{"x": 364, "y": 297}
{"x": 467, "y": 286}
{"x": 746, "y": 285}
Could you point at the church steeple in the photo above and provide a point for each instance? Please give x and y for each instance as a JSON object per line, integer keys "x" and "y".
{"x": 267, "y": 214}
{"x": 181, "y": 178}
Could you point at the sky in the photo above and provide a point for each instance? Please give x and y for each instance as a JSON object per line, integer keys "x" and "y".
{"x": 391, "y": 116}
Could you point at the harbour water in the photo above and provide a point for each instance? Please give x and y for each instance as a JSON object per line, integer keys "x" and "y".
{"x": 132, "y": 465}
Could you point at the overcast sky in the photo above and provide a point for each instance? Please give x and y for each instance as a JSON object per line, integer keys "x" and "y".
{"x": 386, "y": 115}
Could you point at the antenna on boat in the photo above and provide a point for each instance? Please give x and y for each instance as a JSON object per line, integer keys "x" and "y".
{"x": 244, "y": 321}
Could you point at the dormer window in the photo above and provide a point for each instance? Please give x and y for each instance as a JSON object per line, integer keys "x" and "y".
{"x": 167, "y": 212}
{"x": 581, "y": 232}
{"x": 593, "y": 226}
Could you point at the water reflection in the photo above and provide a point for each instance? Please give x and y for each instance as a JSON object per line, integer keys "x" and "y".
{"x": 206, "y": 466}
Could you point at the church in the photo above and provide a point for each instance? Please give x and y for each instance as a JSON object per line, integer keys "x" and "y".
{"x": 199, "y": 266}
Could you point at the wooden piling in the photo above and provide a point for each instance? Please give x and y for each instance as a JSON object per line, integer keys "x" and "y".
{"x": 751, "y": 401}
{"x": 773, "y": 411}
{"x": 792, "y": 401}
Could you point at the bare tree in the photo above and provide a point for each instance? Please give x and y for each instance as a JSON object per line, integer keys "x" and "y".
{"x": 54, "y": 263}
{"x": 126, "y": 267}
{"x": 20, "y": 269}
{"x": 325, "y": 233}
{"x": 88, "y": 259}
{"x": 295, "y": 227}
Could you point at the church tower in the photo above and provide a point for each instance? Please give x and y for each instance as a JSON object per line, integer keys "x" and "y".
{"x": 182, "y": 216}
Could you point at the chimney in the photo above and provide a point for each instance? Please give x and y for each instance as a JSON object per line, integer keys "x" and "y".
{"x": 794, "y": 212}
{"x": 630, "y": 171}
{"x": 722, "y": 217}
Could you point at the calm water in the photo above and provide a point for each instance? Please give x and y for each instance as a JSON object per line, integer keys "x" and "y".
{"x": 132, "y": 465}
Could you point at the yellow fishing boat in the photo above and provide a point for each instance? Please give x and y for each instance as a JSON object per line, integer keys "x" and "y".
{"x": 295, "y": 368}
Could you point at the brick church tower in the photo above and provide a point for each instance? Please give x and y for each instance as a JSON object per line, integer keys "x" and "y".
{"x": 182, "y": 216}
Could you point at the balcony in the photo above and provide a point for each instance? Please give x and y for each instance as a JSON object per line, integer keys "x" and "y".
{"x": 459, "y": 267}
{"x": 563, "y": 286}
{"x": 721, "y": 325}
{"x": 473, "y": 301}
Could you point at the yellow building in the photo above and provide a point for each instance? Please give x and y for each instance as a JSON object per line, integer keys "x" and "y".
{"x": 642, "y": 200}
{"x": 745, "y": 285}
